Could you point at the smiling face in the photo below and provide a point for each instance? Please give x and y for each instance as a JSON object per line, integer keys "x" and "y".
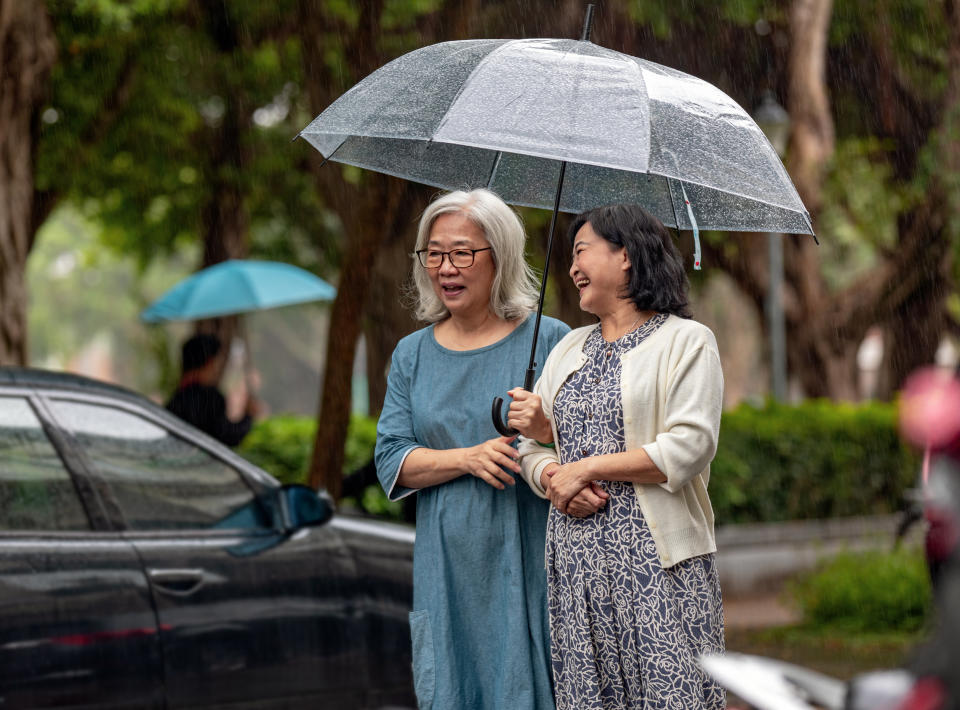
{"x": 599, "y": 271}
{"x": 465, "y": 291}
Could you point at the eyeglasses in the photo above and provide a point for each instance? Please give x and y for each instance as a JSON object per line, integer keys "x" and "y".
{"x": 459, "y": 258}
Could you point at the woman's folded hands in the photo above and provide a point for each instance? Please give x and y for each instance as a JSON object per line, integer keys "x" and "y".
{"x": 571, "y": 490}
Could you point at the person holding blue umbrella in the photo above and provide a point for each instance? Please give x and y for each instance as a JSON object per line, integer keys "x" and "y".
{"x": 198, "y": 400}
{"x": 232, "y": 287}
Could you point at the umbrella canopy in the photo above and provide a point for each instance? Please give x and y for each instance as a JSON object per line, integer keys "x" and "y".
{"x": 505, "y": 114}
{"x": 565, "y": 124}
{"x": 237, "y": 286}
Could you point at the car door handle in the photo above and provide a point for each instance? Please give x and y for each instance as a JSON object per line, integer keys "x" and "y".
{"x": 178, "y": 581}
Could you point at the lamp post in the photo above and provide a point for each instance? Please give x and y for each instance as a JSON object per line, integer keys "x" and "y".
{"x": 774, "y": 121}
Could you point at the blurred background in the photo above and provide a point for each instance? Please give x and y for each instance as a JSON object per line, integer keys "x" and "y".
{"x": 142, "y": 140}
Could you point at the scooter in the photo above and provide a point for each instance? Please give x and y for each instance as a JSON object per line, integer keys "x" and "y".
{"x": 930, "y": 418}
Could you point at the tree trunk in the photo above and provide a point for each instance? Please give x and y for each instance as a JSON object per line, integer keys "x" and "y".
{"x": 27, "y": 54}
{"x": 375, "y": 213}
{"x": 389, "y": 316}
{"x": 824, "y": 364}
{"x": 224, "y": 219}
{"x": 914, "y": 326}
{"x": 372, "y": 218}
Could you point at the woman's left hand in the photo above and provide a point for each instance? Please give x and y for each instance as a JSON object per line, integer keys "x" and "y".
{"x": 566, "y": 482}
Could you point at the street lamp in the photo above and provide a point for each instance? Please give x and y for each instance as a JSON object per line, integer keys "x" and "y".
{"x": 774, "y": 121}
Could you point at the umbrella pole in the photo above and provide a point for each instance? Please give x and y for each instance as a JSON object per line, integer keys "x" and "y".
{"x": 531, "y": 367}
{"x": 496, "y": 410}
{"x": 247, "y": 357}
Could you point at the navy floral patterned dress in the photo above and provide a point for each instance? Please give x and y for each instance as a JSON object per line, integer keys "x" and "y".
{"x": 625, "y": 631}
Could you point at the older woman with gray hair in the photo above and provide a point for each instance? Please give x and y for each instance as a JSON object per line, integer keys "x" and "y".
{"x": 479, "y": 620}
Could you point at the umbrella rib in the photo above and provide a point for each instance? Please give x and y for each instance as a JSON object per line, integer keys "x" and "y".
{"x": 673, "y": 201}
{"x": 493, "y": 169}
{"x": 541, "y": 154}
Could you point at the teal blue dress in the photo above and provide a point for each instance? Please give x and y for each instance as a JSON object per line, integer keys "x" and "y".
{"x": 479, "y": 623}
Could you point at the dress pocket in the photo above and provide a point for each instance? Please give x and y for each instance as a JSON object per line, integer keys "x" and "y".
{"x": 424, "y": 668}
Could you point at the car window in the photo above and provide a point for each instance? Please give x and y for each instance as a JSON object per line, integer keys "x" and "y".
{"x": 36, "y": 490}
{"x": 159, "y": 480}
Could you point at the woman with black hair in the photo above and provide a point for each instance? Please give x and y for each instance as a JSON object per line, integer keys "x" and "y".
{"x": 619, "y": 435}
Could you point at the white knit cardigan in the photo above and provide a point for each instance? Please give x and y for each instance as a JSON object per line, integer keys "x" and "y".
{"x": 672, "y": 394}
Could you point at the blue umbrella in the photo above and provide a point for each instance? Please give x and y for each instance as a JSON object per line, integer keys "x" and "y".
{"x": 237, "y": 286}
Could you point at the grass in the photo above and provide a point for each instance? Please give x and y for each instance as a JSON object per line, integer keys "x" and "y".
{"x": 857, "y": 612}
{"x": 836, "y": 653}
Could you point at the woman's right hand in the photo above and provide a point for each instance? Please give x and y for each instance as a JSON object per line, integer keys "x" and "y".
{"x": 526, "y": 416}
{"x": 591, "y": 498}
{"x": 588, "y": 501}
{"x": 484, "y": 461}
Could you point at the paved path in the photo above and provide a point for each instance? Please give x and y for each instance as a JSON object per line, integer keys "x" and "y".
{"x": 758, "y": 612}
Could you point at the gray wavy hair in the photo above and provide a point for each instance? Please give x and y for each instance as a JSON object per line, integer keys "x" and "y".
{"x": 515, "y": 289}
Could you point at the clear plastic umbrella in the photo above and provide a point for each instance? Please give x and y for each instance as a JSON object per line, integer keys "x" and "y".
{"x": 568, "y": 125}
{"x": 504, "y": 114}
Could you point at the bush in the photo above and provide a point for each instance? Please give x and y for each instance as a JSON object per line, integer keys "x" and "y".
{"x": 817, "y": 459}
{"x": 778, "y": 462}
{"x": 867, "y": 592}
{"x": 282, "y": 444}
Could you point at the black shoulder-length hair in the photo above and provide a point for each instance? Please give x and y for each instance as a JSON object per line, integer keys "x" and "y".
{"x": 658, "y": 281}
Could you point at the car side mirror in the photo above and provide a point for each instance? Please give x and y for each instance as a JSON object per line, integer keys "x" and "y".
{"x": 301, "y": 506}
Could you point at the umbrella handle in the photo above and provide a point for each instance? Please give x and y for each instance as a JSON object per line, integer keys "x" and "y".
{"x": 496, "y": 411}
{"x": 496, "y": 414}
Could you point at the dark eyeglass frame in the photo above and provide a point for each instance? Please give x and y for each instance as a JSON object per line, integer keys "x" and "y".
{"x": 422, "y": 255}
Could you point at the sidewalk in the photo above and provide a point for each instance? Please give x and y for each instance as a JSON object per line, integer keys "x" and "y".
{"x": 755, "y": 560}
{"x": 758, "y": 612}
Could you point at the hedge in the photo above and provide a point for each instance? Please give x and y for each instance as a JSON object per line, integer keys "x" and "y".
{"x": 281, "y": 445}
{"x": 814, "y": 460}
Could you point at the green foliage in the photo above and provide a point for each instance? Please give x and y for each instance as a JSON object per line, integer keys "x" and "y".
{"x": 813, "y": 460}
{"x": 917, "y": 31}
{"x": 861, "y": 207}
{"x": 281, "y": 445}
{"x": 139, "y": 98}
{"x": 361, "y": 438}
{"x": 375, "y": 502}
{"x": 664, "y": 18}
{"x": 873, "y": 591}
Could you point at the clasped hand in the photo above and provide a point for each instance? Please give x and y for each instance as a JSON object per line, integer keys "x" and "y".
{"x": 571, "y": 491}
{"x": 485, "y": 460}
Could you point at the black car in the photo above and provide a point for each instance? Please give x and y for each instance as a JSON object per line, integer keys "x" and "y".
{"x": 144, "y": 565}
